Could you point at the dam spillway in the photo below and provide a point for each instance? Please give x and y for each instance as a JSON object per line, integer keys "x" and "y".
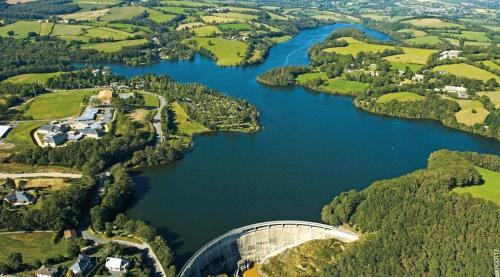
{"x": 256, "y": 243}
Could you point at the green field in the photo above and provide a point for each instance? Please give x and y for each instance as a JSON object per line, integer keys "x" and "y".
{"x": 236, "y": 16}
{"x": 280, "y": 39}
{"x": 120, "y": 13}
{"x": 206, "y": 31}
{"x": 467, "y": 71}
{"x": 400, "y": 96}
{"x": 86, "y": 15}
{"x": 104, "y": 32}
{"x": 32, "y": 246}
{"x": 432, "y": 23}
{"x": 150, "y": 100}
{"x": 160, "y": 17}
{"x": 21, "y": 134}
{"x": 471, "y": 112}
{"x": 490, "y": 190}
{"x": 22, "y": 28}
{"x": 217, "y": 19}
{"x": 412, "y": 55}
{"x": 355, "y": 46}
{"x": 432, "y": 40}
{"x": 335, "y": 85}
{"x": 494, "y": 97}
{"x": 228, "y": 52}
{"x": 31, "y": 78}
{"x": 184, "y": 124}
{"x": 477, "y": 43}
{"x": 413, "y": 32}
{"x": 492, "y": 65}
{"x": 186, "y": 3}
{"x": 175, "y": 10}
{"x": 114, "y": 46}
{"x": 88, "y": 5}
{"x": 469, "y": 35}
{"x": 56, "y": 105}
{"x": 235, "y": 27}
{"x": 402, "y": 66}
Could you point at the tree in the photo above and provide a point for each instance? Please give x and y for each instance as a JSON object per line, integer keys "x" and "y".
{"x": 22, "y": 184}
{"x": 9, "y": 183}
{"x": 10, "y": 33}
{"x": 73, "y": 249}
{"x": 15, "y": 261}
{"x": 109, "y": 229}
{"x": 120, "y": 221}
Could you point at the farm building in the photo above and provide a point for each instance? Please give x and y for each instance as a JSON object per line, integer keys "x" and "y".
{"x": 418, "y": 78}
{"x": 460, "y": 91}
{"x": 449, "y": 54}
{"x": 4, "y": 130}
{"x": 116, "y": 264}
{"x": 19, "y": 198}
{"x": 47, "y": 271}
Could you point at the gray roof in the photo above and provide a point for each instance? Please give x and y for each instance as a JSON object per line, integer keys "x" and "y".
{"x": 56, "y": 138}
{"x": 91, "y": 131}
{"x": 88, "y": 114}
{"x": 83, "y": 264}
{"x": 46, "y": 128}
{"x": 20, "y": 197}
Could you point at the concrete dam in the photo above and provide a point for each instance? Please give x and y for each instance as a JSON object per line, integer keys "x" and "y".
{"x": 256, "y": 243}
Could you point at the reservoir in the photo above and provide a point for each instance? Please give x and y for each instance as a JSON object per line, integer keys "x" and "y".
{"x": 312, "y": 147}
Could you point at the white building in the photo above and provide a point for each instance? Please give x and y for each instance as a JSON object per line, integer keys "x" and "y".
{"x": 449, "y": 54}
{"x": 116, "y": 264}
{"x": 460, "y": 91}
{"x": 4, "y": 129}
{"x": 418, "y": 78}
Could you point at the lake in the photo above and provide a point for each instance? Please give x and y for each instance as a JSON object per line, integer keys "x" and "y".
{"x": 312, "y": 147}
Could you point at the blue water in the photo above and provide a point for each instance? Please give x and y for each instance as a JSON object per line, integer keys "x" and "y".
{"x": 312, "y": 147}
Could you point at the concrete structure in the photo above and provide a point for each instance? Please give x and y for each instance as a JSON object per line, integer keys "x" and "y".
{"x": 256, "y": 243}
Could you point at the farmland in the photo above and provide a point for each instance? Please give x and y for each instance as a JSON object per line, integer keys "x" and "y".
{"x": 355, "y": 46}
{"x": 467, "y": 70}
{"x": 120, "y": 13}
{"x": 87, "y": 15}
{"x": 206, "y": 31}
{"x": 400, "y": 96}
{"x": 56, "y": 105}
{"x": 31, "y": 78}
{"x": 114, "y": 46}
{"x": 494, "y": 97}
{"x": 432, "y": 40}
{"x": 489, "y": 190}
{"x": 227, "y": 52}
{"x": 335, "y": 85}
{"x": 432, "y": 23}
{"x": 22, "y": 28}
{"x": 471, "y": 112}
{"x": 412, "y": 55}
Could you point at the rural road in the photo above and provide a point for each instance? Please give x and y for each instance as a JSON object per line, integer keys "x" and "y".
{"x": 40, "y": 174}
{"x": 157, "y": 117}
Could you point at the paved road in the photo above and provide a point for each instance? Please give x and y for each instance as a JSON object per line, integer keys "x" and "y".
{"x": 157, "y": 117}
{"x": 40, "y": 174}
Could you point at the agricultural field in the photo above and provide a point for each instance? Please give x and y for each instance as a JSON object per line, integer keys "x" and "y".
{"x": 492, "y": 65}
{"x": 87, "y": 15}
{"x": 70, "y": 32}
{"x": 280, "y": 39}
{"x": 303, "y": 78}
{"x": 489, "y": 190}
{"x": 115, "y": 46}
{"x": 206, "y": 31}
{"x": 402, "y": 66}
{"x": 471, "y": 112}
{"x": 228, "y": 52}
{"x": 236, "y": 16}
{"x": 335, "y": 85}
{"x": 432, "y": 23}
{"x": 22, "y": 28}
{"x": 88, "y": 5}
{"x": 56, "y": 105}
{"x": 189, "y": 26}
{"x": 104, "y": 32}
{"x": 45, "y": 184}
{"x": 355, "y": 46}
{"x": 467, "y": 70}
{"x": 400, "y": 96}
{"x": 413, "y": 32}
{"x": 469, "y": 35}
{"x": 217, "y": 19}
{"x": 184, "y": 124}
{"x": 33, "y": 246}
{"x": 31, "y": 78}
{"x": 412, "y": 56}
{"x": 187, "y": 4}
{"x": 494, "y": 97}
{"x": 160, "y": 17}
{"x": 21, "y": 134}
{"x": 432, "y": 40}
{"x": 120, "y": 13}
{"x": 235, "y": 27}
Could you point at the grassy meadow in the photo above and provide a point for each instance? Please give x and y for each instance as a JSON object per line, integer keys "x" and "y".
{"x": 21, "y": 134}
{"x": 432, "y": 23}
{"x": 489, "y": 190}
{"x": 412, "y": 56}
{"x": 400, "y": 96}
{"x": 432, "y": 40}
{"x": 32, "y": 246}
{"x": 467, "y": 71}
{"x": 206, "y": 31}
{"x": 115, "y": 46}
{"x": 228, "y": 52}
{"x": 355, "y": 46}
{"x": 31, "y": 78}
{"x": 58, "y": 104}
{"x": 22, "y": 28}
{"x": 471, "y": 112}
{"x": 494, "y": 97}
{"x": 184, "y": 124}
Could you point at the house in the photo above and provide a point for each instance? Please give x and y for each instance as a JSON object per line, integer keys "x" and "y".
{"x": 116, "y": 264}
{"x": 55, "y": 139}
{"x": 82, "y": 265}
{"x": 418, "y": 78}
{"x": 4, "y": 130}
{"x": 19, "y": 198}
{"x": 125, "y": 96}
{"x": 69, "y": 234}
{"x": 449, "y": 54}
{"x": 47, "y": 271}
{"x": 105, "y": 95}
{"x": 91, "y": 132}
{"x": 460, "y": 91}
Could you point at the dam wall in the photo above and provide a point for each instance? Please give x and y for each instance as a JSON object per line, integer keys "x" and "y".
{"x": 256, "y": 243}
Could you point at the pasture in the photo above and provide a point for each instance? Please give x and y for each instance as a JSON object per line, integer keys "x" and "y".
{"x": 87, "y": 15}
{"x": 400, "y": 96}
{"x": 403, "y": 66}
{"x": 489, "y": 190}
{"x": 492, "y": 65}
{"x": 186, "y": 4}
{"x": 236, "y": 16}
{"x": 471, "y": 112}
{"x": 335, "y": 85}
{"x": 494, "y": 97}
{"x": 227, "y": 52}
{"x": 355, "y": 46}
{"x": 189, "y": 26}
{"x": 88, "y": 5}
{"x": 469, "y": 35}
{"x": 57, "y": 104}
{"x": 467, "y": 71}
{"x": 33, "y": 246}
{"x": 184, "y": 124}
{"x": 22, "y": 28}
{"x": 31, "y": 78}
{"x": 217, "y": 19}
{"x": 115, "y": 46}
{"x": 413, "y": 32}
{"x": 119, "y": 13}
{"x": 235, "y": 27}
{"x": 432, "y": 23}
{"x": 160, "y": 17}
{"x": 21, "y": 134}
{"x": 412, "y": 56}
{"x": 432, "y": 40}
{"x": 206, "y": 31}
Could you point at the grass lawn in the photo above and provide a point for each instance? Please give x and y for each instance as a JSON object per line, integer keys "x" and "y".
{"x": 31, "y": 78}
{"x": 432, "y": 40}
{"x": 335, "y": 85}
{"x": 470, "y": 35}
{"x": 490, "y": 190}
{"x": 120, "y": 13}
{"x": 31, "y": 245}
{"x": 21, "y": 134}
{"x": 22, "y": 28}
{"x": 228, "y": 52}
{"x": 24, "y": 168}
{"x": 184, "y": 124}
{"x": 87, "y": 15}
{"x": 206, "y": 31}
{"x": 412, "y": 55}
{"x": 114, "y": 46}
{"x": 492, "y": 65}
{"x": 414, "y": 32}
{"x": 160, "y": 17}
{"x": 355, "y": 46}
{"x": 493, "y": 95}
{"x": 150, "y": 100}
{"x": 56, "y": 105}
{"x": 467, "y": 71}
{"x": 432, "y": 23}
{"x": 235, "y": 27}
{"x": 400, "y": 96}
{"x": 280, "y": 39}
{"x": 471, "y": 112}
{"x": 402, "y": 66}
{"x": 104, "y": 32}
